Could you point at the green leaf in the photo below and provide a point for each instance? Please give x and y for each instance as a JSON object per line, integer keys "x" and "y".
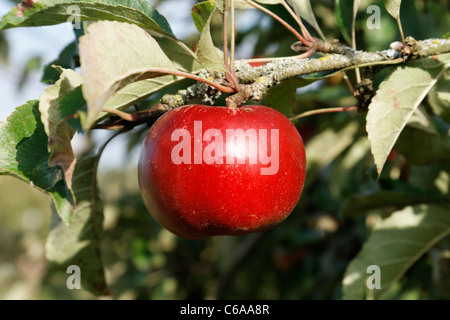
{"x": 33, "y": 64}
{"x": 4, "y": 49}
{"x": 441, "y": 268}
{"x": 23, "y": 151}
{"x": 210, "y": 57}
{"x": 115, "y": 54}
{"x": 202, "y": 12}
{"x": 396, "y": 243}
{"x": 59, "y": 133}
{"x": 80, "y": 244}
{"x": 51, "y": 12}
{"x": 322, "y": 74}
{"x": 439, "y": 97}
{"x": 282, "y": 96}
{"x": 421, "y": 147}
{"x": 344, "y": 15}
{"x": 304, "y": 10}
{"x": 362, "y": 204}
{"x": 396, "y": 100}
{"x": 334, "y": 141}
{"x": 348, "y": 169}
{"x": 72, "y": 107}
{"x": 393, "y": 7}
{"x": 65, "y": 60}
{"x": 433, "y": 178}
{"x": 24, "y": 154}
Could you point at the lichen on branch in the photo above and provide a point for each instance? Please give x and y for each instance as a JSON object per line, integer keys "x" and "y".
{"x": 255, "y": 81}
{"x": 337, "y": 57}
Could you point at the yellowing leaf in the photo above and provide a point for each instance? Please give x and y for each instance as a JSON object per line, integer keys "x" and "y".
{"x": 393, "y": 7}
{"x": 80, "y": 244}
{"x": 58, "y": 131}
{"x": 115, "y": 54}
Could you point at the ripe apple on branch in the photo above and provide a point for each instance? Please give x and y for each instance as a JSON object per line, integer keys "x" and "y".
{"x": 197, "y": 184}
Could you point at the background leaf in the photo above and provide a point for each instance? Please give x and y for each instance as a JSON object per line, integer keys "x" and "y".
{"x": 439, "y": 97}
{"x": 421, "y": 147}
{"x": 362, "y": 204}
{"x": 396, "y": 243}
{"x": 65, "y": 60}
{"x": 80, "y": 244}
{"x": 396, "y": 100}
{"x": 24, "y": 151}
{"x": 344, "y": 16}
{"x": 334, "y": 141}
{"x": 282, "y": 96}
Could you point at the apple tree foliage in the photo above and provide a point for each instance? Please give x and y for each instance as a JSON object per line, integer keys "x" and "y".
{"x": 377, "y": 189}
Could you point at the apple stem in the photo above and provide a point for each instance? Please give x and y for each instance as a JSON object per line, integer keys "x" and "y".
{"x": 324, "y": 110}
{"x": 348, "y": 82}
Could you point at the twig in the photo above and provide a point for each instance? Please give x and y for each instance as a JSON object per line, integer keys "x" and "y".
{"x": 232, "y": 47}
{"x": 127, "y": 121}
{"x": 324, "y": 110}
{"x": 355, "y": 12}
{"x": 347, "y": 81}
{"x": 229, "y": 64}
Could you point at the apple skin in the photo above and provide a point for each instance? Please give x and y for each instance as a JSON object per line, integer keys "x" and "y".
{"x": 201, "y": 200}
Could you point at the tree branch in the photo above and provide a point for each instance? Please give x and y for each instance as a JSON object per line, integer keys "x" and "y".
{"x": 339, "y": 58}
{"x": 255, "y": 81}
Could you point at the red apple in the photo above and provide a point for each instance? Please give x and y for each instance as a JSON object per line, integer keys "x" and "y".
{"x": 206, "y": 171}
